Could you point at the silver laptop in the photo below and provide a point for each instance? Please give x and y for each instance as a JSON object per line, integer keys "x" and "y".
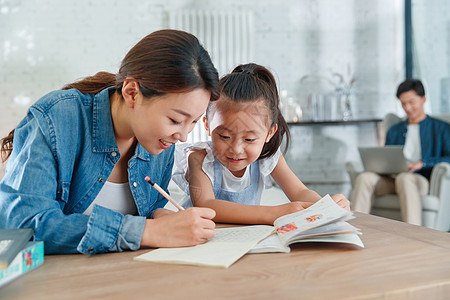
{"x": 383, "y": 160}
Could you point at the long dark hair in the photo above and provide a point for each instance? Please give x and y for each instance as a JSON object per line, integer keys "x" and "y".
{"x": 165, "y": 61}
{"x": 249, "y": 83}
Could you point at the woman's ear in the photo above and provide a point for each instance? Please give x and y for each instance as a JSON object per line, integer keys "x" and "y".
{"x": 271, "y": 132}
{"x": 130, "y": 91}
{"x": 205, "y": 123}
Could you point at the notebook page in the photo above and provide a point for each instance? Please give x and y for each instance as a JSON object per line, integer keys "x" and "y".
{"x": 272, "y": 243}
{"x": 347, "y": 238}
{"x": 228, "y": 245}
{"x": 328, "y": 229}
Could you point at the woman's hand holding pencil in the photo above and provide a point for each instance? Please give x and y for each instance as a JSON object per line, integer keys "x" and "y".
{"x": 188, "y": 227}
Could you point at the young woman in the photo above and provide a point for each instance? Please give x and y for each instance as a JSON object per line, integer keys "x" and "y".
{"x": 77, "y": 161}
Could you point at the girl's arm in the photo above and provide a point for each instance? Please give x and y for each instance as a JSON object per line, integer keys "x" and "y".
{"x": 295, "y": 190}
{"x": 202, "y": 194}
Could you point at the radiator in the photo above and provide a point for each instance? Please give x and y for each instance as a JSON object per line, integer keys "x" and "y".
{"x": 227, "y": 36}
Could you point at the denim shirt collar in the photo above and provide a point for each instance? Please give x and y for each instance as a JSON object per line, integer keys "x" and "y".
{"x": 103, "y": 138}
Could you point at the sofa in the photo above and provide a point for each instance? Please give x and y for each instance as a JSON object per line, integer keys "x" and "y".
{"x": 435, "y": 205}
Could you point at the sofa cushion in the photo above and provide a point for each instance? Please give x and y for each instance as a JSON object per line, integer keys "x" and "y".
{"x": 391, "y": 202}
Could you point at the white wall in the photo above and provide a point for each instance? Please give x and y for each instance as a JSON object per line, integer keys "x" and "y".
{"x": 431, "y": 38}
{"x": 47, "y": 43}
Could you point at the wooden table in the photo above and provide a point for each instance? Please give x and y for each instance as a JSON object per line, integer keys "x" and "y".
{"x": 400, "y": 261}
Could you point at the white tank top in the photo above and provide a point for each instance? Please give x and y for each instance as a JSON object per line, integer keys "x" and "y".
{"x": 115, "y": 196}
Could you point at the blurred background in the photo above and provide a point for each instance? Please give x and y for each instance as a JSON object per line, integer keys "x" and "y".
{"x": 337, "y": 62}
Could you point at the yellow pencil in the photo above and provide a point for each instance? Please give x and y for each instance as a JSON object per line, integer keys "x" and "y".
{"x": 163, "y": 192}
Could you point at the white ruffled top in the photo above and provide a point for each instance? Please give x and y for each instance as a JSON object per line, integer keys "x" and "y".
{"x": 229, "y": 181}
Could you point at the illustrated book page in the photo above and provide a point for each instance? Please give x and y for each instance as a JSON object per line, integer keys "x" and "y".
{"x": 324, "y": 221}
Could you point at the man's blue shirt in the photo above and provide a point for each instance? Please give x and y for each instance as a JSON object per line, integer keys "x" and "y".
{"x": 434, "y": 141}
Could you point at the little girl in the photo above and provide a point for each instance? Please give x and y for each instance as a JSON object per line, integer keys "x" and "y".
{"x": 229, "y": 173}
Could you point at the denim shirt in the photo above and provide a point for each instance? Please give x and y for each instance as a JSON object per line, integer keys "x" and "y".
{"x": 64, "y": 150}
{"x": 434, "y": 141}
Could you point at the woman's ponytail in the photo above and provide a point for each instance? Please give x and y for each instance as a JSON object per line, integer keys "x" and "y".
{"x": 93, "y": 84}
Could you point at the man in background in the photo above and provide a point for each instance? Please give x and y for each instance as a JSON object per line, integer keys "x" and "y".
{"x": 425, "y": 141}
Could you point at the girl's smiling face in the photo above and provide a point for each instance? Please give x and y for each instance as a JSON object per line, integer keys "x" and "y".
{"x": 238, "y": 132}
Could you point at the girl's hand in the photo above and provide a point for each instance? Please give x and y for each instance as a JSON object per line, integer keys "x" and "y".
{"x": 289, "y": 208}
{"x": 190, "y": 227}
{"x": 341, "y": 201}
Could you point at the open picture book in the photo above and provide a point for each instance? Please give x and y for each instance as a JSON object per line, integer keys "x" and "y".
{"x": 324, "y": 221}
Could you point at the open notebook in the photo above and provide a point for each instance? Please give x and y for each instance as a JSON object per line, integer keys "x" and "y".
{"x": 324, "y": 221}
